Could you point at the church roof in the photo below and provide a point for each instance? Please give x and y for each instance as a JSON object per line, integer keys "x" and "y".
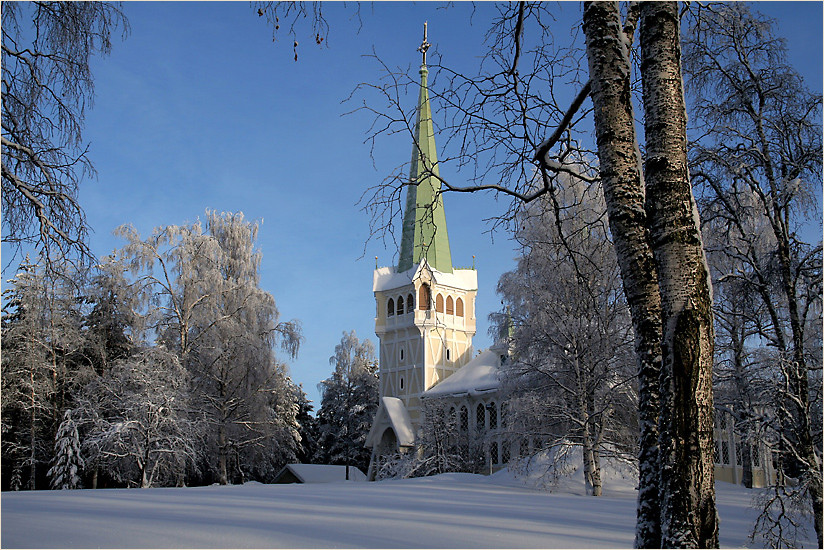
{"x": 479, "y": 376}
{"x": 424, "y": 221}
{"x": 317, "y": 473}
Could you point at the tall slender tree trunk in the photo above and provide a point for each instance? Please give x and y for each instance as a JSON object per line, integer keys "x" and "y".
{"x": 619, "y": 157}
{"x": 688, "y": 512}
{"x": 221, "y": 450}
{"x": 33, "y": 433}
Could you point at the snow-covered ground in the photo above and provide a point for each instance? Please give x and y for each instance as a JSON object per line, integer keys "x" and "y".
{"x": 447, "y": 511}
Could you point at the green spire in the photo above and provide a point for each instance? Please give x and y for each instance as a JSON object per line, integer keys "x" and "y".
{"x": 424, "y": 221}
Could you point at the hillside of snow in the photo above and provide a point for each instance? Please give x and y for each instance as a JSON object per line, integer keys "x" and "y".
{"x": 446, "y": 511}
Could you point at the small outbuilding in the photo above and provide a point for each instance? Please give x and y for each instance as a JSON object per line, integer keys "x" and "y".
{"x": 317, "y": 473}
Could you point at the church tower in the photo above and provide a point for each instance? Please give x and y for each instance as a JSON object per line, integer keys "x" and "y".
{"x": 425, "y": 316}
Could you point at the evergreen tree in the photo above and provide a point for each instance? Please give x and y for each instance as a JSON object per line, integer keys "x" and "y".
{"x": 68, "y": 463}
{"x": 308, "y": 429}
{"x": 348, "y": 404}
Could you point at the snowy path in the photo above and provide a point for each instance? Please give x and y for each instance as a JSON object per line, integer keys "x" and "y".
{"x": 452, "y": 511}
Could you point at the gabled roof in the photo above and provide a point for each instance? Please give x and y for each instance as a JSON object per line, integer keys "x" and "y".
{"x": 319, "y": 473}
{"x": 479, "y": 376}
{"x": 424, "y": 222}
{"x": 389, "y": 278}
{"x": 392, "y": 413}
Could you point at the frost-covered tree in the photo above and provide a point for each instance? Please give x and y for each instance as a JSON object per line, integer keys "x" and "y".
{"x": 442, "y": 445}
{"x": 112, "y": 323}
{"x": 349, "y": 401}
{"x": 204, "y": 301}
{"x": 67, "y": 462}
{"x": 47, "y": 49}
{"x": 571, "y": 376}
{"x": 25, "y": 377}
{"x": 41, "y": 363}
{"x": 758, "y": 156}
{"x": 136, "y": 419}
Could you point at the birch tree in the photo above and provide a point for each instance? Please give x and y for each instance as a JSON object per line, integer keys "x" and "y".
{"x": 571, "y": 378}
{"x": 204, "y": 301}
{"x": 759, "y": 160}
{"x": 47, "y": 48}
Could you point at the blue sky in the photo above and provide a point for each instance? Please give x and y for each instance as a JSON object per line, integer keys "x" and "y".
{"x": 199, "y": 109}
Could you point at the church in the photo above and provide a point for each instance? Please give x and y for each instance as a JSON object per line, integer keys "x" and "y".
{"x": 425, "y": 318}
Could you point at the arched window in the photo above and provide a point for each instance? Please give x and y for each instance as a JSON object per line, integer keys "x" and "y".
{"x": 450, "y": 308}
{"x": 410, "y": 303}
{"x": 439, "y": 304}
{"x": 401, "y": 354}
{"x": 494, "y": 452}
{"x": 401, "y": 382}
{"x": 424, "y": 297}
{"x": 459, "y": 307}
{"x": 448, "y": 355}
{"x": 400, "y": 305}
{"x": 493, "y": 416}
{"x": 464, "y": 425}
{"x": 480, "y": 417}
{"x": 390, "y": 307}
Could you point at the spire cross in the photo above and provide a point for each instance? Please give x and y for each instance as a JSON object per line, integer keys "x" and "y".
{"x": 425, "y": 45}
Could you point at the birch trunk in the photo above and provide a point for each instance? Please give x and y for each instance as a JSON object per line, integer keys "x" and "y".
{"x": 688, "y": 512}
{"x": 619, "y": 158}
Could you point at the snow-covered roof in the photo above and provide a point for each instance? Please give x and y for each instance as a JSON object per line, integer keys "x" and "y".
{"x": 478, "y": 376}
{"x": 392, "y": 413}
{"x": 322, "y": 473}
{"x": 400, "y": 420}
{"x": 387, "y": 278}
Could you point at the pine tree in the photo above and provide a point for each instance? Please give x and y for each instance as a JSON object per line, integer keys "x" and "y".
{"x": 64, "y": 472}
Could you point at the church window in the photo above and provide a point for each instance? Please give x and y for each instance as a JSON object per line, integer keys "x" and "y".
{"x": 715, "y": 454}
{"x": 424, "y": 296}
{"x": 756, "y": 458}
{"x": 739, "y": 450}
{"x": 493, "y": 416}
{"x": 459, "y": 307}
{"x": 725, "y": 452}
{"x": 504, "y": 414}
{"x": 448, "y": 358}
{"x": 410, "y": 303}
{"x": 401, "y": 381}
{"x": 504, "y": 452}
{"x": 439, "y": 304}
{"x": 450, "y": 307}
{"x": 464, "y": 426}
{"x": 401, "y": 354}
{"x": 723, "y": 421}
{"x": 494, "y": 452}
{"x": 480, "y": 417}
{"x": 400, "y": 305}
{"x": 390, "y": 307}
